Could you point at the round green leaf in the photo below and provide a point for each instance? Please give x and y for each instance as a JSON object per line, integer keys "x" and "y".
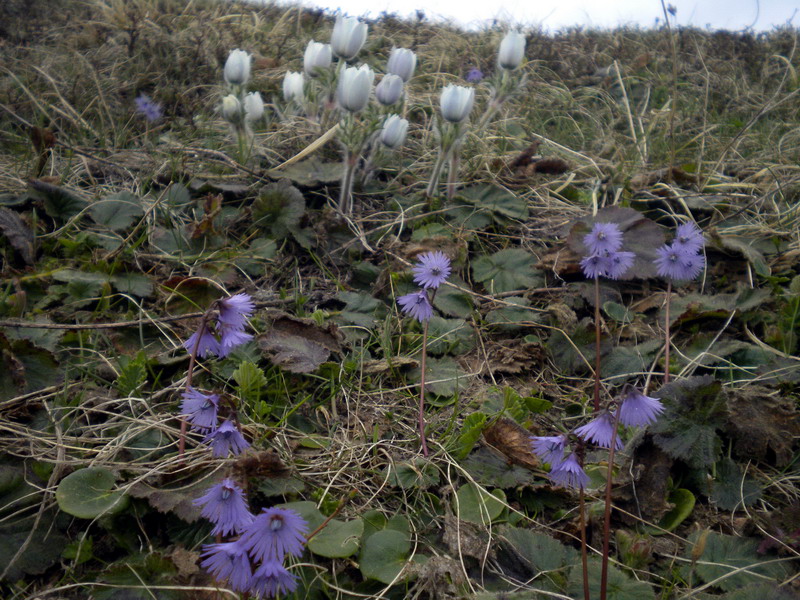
{"x": 384, "y": 555}
{"x": 89, "y": 493}
{"x": 478, "y": 506}
{"x": 338, "y": 539}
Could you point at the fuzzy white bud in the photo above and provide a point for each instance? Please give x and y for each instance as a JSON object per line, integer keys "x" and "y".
{"x": 316, "y": 57}
{"x": 293, "y": 84}
{"x": 355, "y": 84}
{"x": 394, "y": 131}
{"x": 389, "y": 90}
{"x": 456, "y": 102}
{"x": 402, "y": 62}
{"x": 512, "y": 50}
{"x": 349, "y": 35}
{"x": 237, "y": 67}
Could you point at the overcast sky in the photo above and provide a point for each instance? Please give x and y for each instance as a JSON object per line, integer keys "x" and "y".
{"x": 718, "y": 14}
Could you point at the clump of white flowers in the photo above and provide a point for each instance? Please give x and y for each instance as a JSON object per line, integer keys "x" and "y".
{"x": 240, "y": 108}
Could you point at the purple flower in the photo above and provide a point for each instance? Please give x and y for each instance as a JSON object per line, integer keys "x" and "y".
{"x": 689, "y": 238}
{"x": 569, "y": 473}
{"x": 199, "y": 409}
{"x": 230, "y": 338}
{"x": 150, "y": 109}
{"x": 599, "y": 431}
{"x": 549, "y": 449}
{"x": 475, "y": 75}
{"x": 618, "y": 263}
{"x": 677, "y": 264}
{"x": 208, "y": 343}
{"x": 595, "y": 265}
{"x": 433, "y": 269}
{"x": 225, "y": 506}
{"x": 638, "y": 410}
{"x": 417, "y": 305}
{"x": 226, "y": 438}
{"x": 235, "y": 310}
{"x": 228, "y": 561}
{"x": 603, "y": 238}
{"x": 275, "y": 533}
{"x": 271, "y": 579}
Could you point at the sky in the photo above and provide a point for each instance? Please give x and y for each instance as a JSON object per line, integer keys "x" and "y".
{"x": 718, "y": 14}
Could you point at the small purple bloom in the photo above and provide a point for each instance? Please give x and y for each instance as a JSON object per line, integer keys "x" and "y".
{"x": 638, "y": 410}
{"x": 200, "y": 409}
{"x": 208, "y": 343}
{"x": 235, "y": 310}
{"x": 226, "y": 438}
{"x": 271, "y": 579}
{"x": 676, "y": 264}
{"x": 603, "y": 238}
{"x": 618, "y": 263}
{"x": 595, "y": 265}
{"x": 569, "y": 473}
{"x": 417, "y": 305}
{"x": 433, "y": 269}
{"x": 689, "y": 238}
{"x": 228, "y": 561}
{"x": 150, "y": 109}
{"x": 599, "y": 431}
{"x": 275, "y": 533}
{"x": 230, "y": 338}
{"x": 225, "y": 506}
{"x": 475, "y": 75}
{"x": 549, "y": 449}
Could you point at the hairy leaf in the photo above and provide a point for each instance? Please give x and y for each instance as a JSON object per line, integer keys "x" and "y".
{"x": 506, "y": 271}
{"x": 17, "y": 233}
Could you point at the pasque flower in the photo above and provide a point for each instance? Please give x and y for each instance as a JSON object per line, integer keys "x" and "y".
{"x": 228, "y": 562}
{"x": 317, "y": 57}
{"x": 389, "y": 90}
{"x": 232, "y": 109}
{"x": 417, "y": 305}
{"x": 253, "y": 107}
{"x": 393, "y": 133}
{"x": 638, "y": 410}
{"x": 349, "y": 35}
{"x": 237, "y": 67}
{"x": 599, "y": 431}
{"x": 226, "y": 439}
{"x": 355, "y": 84}
{"x": 402, "y": 62}
{"x": 456, "y": 103}
{"x": 432, "y": 270}
{"x": 275, "y": 533}
{"x": 569, "y": 473}
{"x": 200, "y": 409}
{"x": 293, "y": 84}
{"x": 512, "y": 50}
{"x": 224, "y": 505}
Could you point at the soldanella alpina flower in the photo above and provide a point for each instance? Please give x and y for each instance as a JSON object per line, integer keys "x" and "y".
{"x": 293, "y": 84}
{"x": 512, "y": 50}
{"x": 432, "y": 270}
{"x": 237, "y": 67}
{"x": 569, "y": 473}
{"x": 355, "y": 85}
{"x": 253, "y": 107}
{"x": 456, "y": 103}
{"x": 349, "y": 35}
{"x": 599, "y": 431}
{"x": 317, "y": 57}
{"x": 200, "y": 409}
{"x": 549, "y": 448}
{"x": 228, "y": 562}
{"x": 275, "y": 533}
{"x": 146, "y": 106}
{"x": 394, "y": 131}
{"x": 389, "y": 90}
{"x": 638, "y": 410}
{"x": 402, "y": 62}
{"x": 417, "y": 304}
{"x": 272, "y": 580}
{"x": 232, "y": 109}
{"x": 225, "y": 505}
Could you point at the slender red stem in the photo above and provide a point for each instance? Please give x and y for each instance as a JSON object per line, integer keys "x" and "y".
{"x": 596, "y": 344}
{"x": 582, "y": 518}
{"x": 667, "y": 334}
{"x": 607, "y": 513}
{"x": 421, "y": 415}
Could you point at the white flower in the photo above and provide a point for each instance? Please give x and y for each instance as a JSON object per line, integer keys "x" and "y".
{"x": 512, "y": 49}
{"x": 237, "y": 67}
{"x": 355, "y": 84}
{"x": 389, "y": 90}
{"x": 317, "y": 56}
{"x": 394, "y": 131}
{"x": 402, "y": 62}
{"x": 456, "y": 102}
{"x": 349, "y": 35}
{"x": 231, "y": 109}
{"x": 253, "y": 107}
{"x": 293, "y": 84}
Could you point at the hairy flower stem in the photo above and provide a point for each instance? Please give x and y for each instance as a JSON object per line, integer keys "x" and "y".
{"x": 607, "y": 513}
{"x": 667, "y": 333}
{"x": 346, "y": 194}
{"x": 452, "y": 175}
{"x": 421, "y": 415}
{"x": 436, "y": 174}
{"x": 596, "y": 344}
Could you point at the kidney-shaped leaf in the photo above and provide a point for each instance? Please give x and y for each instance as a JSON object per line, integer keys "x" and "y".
{"x": 89, "y": 493}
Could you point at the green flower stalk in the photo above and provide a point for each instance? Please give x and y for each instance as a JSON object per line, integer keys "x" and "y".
{"x": 456, "y": 104}
{"x": 353, "y": 91}
{"x": 508, "y": 80}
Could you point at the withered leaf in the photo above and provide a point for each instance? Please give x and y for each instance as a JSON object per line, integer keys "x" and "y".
{"x": 299, "y": 345}
{"x": 513, "y": 441}
{"x": 17, "y": 233}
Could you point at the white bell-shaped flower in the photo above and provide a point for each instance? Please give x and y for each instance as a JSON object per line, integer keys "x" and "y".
{"x": 349, "y": 35}
{"x": 293, "y": 84}
{"x": 237, "y": 67}
{"x": 253, "y": 107}
{"x": 456, "y": 102}
{"x": 389, "y": 90}
{"x": 355, "y": 84}
{"x": 394, "y": 131}
{"x": 512, "y": 50}
{"x": 231, "y": 109}
{"x": 402, "y": 62}
{"x": 316, "y": 57}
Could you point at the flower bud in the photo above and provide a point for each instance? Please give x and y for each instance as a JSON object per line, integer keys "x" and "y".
{"x": 317, "y": 56}
{"x": 253, "y": 107}
{"x": 512, "y": 49}
{"x": 349, "y": 35}
{"x": 293, "y": 86}
{"x": 402, "y": 62}
{"x": 394, "y": 131}
{"x": 355, "y": 84}
{"x": 389, "y": 90}
{"x": 237, "y": 67}
{"x": 231, "y": 109}
{"x": 456, "y": 102}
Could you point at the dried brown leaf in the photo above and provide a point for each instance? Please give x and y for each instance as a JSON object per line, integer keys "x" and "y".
{"x": 299, "y": 345}
{"x": 513, "y": 441}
